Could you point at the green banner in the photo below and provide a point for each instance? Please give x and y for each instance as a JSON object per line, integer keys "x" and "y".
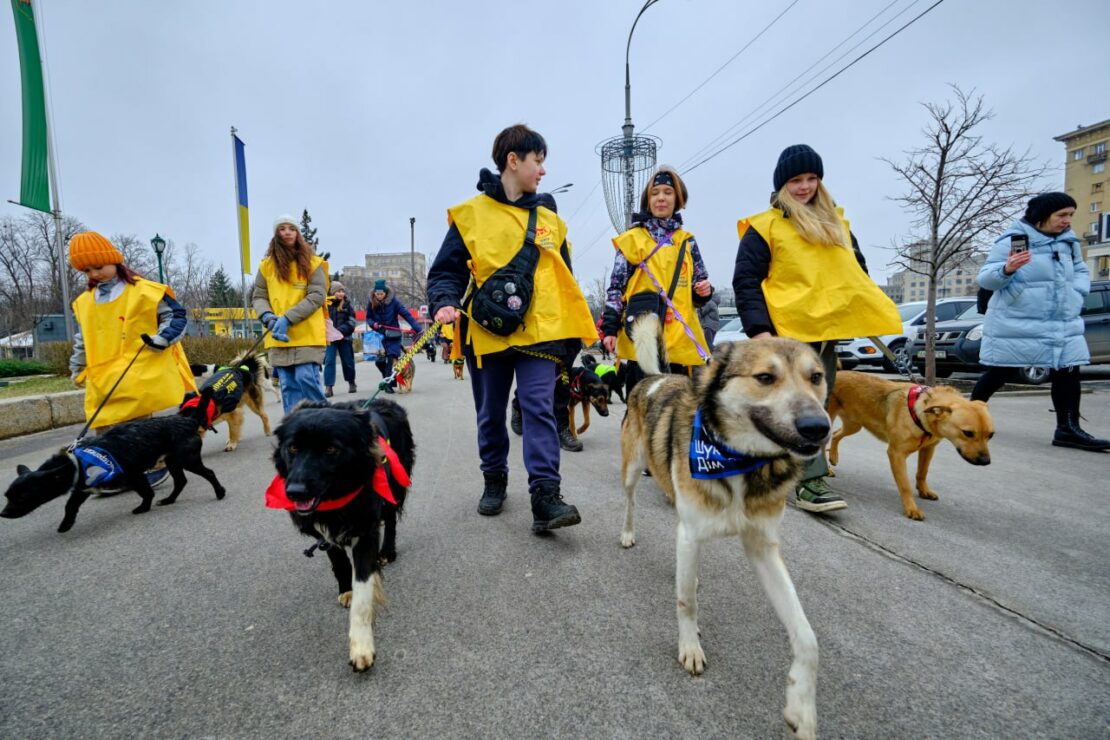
{"x": 34, "y": 189}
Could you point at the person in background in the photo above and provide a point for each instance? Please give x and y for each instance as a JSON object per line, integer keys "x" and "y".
{"x": 1033, "y": 317}
{"x": 290, "y": 288}
{"x": 658, "y": 239}
{"x": 119, "y": 314}
{"x": 342, "y": 317}
{"x": 710, "y": 319}
{"x": 800, "y": 274}
{"x": 383, "y": 313}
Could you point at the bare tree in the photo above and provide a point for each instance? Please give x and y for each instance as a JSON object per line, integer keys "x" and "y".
{"x": 188, "y": 273}
{"x": 595, "y": 292}
{"x": 961, "y": 191}
{"x": 39, "y": 231}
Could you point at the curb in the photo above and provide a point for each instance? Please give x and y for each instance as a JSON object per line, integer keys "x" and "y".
{"x": 28, "y": 414}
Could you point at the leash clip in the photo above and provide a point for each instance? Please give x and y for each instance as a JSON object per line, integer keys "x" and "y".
{"x": 321, "y": 544}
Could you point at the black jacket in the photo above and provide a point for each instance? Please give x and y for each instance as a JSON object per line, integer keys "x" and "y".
{"x": 753, "y": 262}
{"x": 342, "y": 317}
{"x": 449, "y": 275}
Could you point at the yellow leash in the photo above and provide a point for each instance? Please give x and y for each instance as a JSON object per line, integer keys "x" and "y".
{"x": 560, "y": 366}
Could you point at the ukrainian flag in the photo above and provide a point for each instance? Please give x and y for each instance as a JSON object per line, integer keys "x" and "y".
{"x": 241, "y": 204}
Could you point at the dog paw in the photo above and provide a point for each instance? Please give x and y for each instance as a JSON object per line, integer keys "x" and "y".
{"x": 916, "y": 515}
{"x": 385, "y": 558}
{"x": 628, "y": 539}
{"x": 220, "y": 493}
{"x": 166, "y": 501}
{"x": 230, "y": 447}
{"x": 802, "y": 724}
{"x": 141, "y": 508}
{"x": 345, "y": 599}
{"x": 66, "y": 525}
{"x": 361, "y": 662}
{"x": 927, "y": 494}
{"x": 692, "y": 658}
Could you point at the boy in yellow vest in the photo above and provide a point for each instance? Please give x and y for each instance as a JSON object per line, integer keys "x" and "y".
{"x": 485, "y": 234}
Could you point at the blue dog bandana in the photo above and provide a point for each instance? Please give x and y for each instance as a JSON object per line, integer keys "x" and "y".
{"x": 97, "y": 466}
{"x": 710, "y": 458}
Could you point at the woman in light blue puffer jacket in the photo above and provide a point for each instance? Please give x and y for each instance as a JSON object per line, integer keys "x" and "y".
{"x": 1033, "y": 317}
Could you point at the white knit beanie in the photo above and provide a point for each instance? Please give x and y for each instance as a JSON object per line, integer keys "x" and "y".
{"x": 285, "y": 219}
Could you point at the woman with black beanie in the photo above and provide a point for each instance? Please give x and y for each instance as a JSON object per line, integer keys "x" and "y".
{"x": 800, "y": 274}
{"x": 1040, "y": 280}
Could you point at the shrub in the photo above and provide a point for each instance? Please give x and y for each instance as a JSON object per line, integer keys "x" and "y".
{"x": 55, "y": 355}
{"x": 214, "y": 350}
{"x": 12, "y": 368}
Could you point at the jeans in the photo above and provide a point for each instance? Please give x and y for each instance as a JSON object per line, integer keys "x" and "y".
{"x": 535, "y": 380}
{"x": 346, "y": 354}
{"x": 818, "y": 467}
{"x": 299, "y": 383}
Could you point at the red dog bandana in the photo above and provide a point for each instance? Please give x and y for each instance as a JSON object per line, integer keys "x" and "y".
{"x": 277, "y": 499}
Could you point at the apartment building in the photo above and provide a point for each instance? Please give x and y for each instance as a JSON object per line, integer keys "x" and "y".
{"x": 1086, "y": 179}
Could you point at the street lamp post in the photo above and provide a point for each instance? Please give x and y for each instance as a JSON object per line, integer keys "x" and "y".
{"x": 159, "y": 245}
{"x": 412, "y": 257}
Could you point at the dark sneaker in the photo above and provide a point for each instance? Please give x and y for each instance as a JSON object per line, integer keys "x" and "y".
{"x": 816, "y": 496}
{"x": 516, "y": 423}
{"x": 568, "y": 442}
{"x": 1074, "y": 436}
{"x": 549, "y": 511}
{"x": 157, "y": 477}
{"x": 352, "y": 388}
{"x": 493, "y": 496}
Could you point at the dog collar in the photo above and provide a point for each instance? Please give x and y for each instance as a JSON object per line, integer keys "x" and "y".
{"x": 911, "y": 401}
{"x": 711, "y": 458}
{"x": 390, "y": 467}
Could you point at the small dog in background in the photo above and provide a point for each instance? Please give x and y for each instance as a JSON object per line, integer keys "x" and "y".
{"x": 586, "y": 389}
{"x": 611, "y": 375}
{"x": 405, "y": 377}
{"x": 240, "y": 383}
{"x": 123, "y": 453}
{"x": 457, "y": 368}
{"x": 909, "y": 418}
{"x": 343, "y": 472}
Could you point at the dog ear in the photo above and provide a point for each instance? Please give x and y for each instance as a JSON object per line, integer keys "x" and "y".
{"x": 22, "y": 470}
{"x": 939, "y": 411}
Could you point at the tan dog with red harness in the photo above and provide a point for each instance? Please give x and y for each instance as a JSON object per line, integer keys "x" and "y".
{"x": 909, "y": 418}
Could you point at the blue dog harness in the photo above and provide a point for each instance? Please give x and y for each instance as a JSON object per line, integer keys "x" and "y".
{"x": 96, "y": 466}
{"x": 711, "y": 458}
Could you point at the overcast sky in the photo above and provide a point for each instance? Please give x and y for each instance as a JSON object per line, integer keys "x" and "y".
{"x": 367, "y": 113}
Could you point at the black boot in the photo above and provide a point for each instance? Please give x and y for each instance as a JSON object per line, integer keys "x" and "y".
{"x": 516, "y": 422}
{"x": 352, "y": 388}
{"x": 328, "y": 392}
{"x": 549, "y": 511}
{"x": 567, "y": 440}
{"x": 1070, "y": 434}
{"x": 493, "y": 497}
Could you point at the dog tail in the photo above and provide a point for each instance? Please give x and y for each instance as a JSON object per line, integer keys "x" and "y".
{"x": 201, "y": 409}
{"x": 647, "y": 337}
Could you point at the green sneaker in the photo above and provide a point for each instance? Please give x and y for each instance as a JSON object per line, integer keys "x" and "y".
{"x": 816, "y": 496}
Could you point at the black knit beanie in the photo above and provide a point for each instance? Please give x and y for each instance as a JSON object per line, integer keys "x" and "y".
{"x": 797, "y": 160}
{"x": 1046, "y": 204}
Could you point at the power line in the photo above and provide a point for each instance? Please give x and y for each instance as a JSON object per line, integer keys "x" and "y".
{"x": 826, "y": 81}
{"x": 718, "y": 70}
{"x": 789, "y": 88}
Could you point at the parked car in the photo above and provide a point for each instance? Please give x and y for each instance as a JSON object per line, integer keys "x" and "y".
{"x": 733, "y": 331}
{"x": 957, "y": 342}
{"x": 863, "y": 351}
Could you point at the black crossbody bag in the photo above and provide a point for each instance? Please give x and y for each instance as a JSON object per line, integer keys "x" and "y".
{"x": 650, "y": 301}
{"x": 499, "y": 305}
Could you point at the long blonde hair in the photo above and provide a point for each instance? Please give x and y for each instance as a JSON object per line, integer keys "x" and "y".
{"x": 817, "y": 221}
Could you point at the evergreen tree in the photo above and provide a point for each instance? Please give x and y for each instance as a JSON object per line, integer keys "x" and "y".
{"x": 308, "y": 232}
{"x": 221, "y": 293}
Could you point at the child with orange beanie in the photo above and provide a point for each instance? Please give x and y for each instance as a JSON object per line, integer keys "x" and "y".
{"x": 115, "y": 312}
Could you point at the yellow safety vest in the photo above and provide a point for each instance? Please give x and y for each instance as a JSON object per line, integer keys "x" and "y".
{"x": 493, "y": 233}
{"x": 818, "y": 292}
{"x": 284, "y": 295}
{"x": 112, "y": 335}
{"x": 636, "y": 244}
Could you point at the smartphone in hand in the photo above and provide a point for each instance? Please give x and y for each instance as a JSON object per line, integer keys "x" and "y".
{"x": 1019, "y": 243}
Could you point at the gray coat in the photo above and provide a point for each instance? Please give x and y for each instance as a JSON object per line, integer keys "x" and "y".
{"x": 315, "y": 294}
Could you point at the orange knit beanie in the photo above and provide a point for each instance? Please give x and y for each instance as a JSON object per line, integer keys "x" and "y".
{"x": 90, "y": 249}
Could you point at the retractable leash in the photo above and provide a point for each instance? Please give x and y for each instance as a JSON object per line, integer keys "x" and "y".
{"x": 404, "y": 360}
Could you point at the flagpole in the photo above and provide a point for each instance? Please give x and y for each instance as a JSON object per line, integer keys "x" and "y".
{"x": 247, "y": 324}
{"x": 59, "y": 244}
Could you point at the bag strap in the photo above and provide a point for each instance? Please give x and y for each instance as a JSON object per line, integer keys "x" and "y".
{"x": 677, "y": 268}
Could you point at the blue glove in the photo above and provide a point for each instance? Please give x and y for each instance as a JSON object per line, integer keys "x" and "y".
{"x": 268, "y": 320}
{"x": 280, "y": 330}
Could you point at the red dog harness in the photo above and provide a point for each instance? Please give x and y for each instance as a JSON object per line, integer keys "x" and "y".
{"x": 277, "y": 499}
{"x": 911, "y": 401}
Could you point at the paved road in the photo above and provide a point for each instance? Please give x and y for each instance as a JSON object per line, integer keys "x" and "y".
{"x": 989, "y": 619}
